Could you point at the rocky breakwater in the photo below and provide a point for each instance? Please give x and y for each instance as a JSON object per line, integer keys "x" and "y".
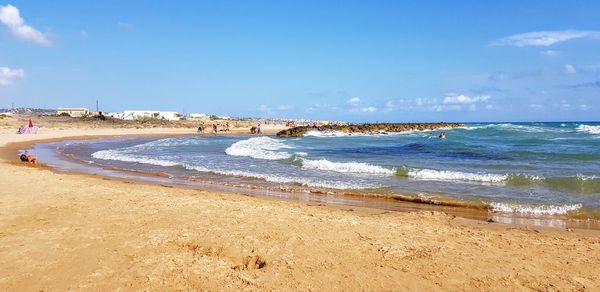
{"x": 367, "y": 128}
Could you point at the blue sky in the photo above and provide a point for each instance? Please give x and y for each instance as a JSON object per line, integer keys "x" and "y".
{"x": 346, "y": 60}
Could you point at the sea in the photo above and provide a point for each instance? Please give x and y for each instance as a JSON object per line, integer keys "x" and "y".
{"x": 534, "y": 169}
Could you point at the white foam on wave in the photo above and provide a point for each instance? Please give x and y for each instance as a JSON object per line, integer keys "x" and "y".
{"x": 534, "y": 210}
{"x": 346, "y": 167}
{"x": 163, "y": 143}
{"x": 588, "y": 129}
{"x": 286, "y": 179}
{"x": 586, "y": 177}
{"x": 259, "y": 148}
{"x": 119, "y": 155}
{"x": 447, "y": 175}
{"x": 507, "y": 126}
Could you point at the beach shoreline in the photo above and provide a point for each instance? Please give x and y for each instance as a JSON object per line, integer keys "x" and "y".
{"x": 123, "y": 227}
{"x": 343, "y": 198}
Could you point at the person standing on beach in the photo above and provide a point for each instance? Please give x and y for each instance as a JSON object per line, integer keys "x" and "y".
{"x": 201, "y": 131}
{"x": 215, "y": 130}
{"x": 260, "y": 129}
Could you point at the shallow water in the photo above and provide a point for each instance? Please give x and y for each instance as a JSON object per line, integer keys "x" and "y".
{"x": 529, "y": 168}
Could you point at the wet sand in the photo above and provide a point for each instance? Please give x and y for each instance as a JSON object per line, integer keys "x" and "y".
{"x": 71, "y": 231}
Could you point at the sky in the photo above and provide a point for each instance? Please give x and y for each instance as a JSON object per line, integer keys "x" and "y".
{"x": 358, "y": 61}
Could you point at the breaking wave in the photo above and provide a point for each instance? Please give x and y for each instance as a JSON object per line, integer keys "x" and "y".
{"x": 534, "y": 210}
{"x": 259, "y": 148}
{"x": 286, "y": 179}
{"x": 119, "y": 155}
{"x": 509, "y": 127}
{"x": 346, "y": 167}
{"x": 447, "y": 175}
{"x": 595, "y": 130}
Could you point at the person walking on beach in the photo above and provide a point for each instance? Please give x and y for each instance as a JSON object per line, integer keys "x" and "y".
{"x": 200, "y": 131}
{"x": 260, "y": 129}
{"x": 215, "y": 130}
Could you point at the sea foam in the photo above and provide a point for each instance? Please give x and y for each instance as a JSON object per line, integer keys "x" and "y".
{"x": 447, "y": 175}
{"x": 259, "y": 148}
{"x": 286, "y": 179}
{"x": 119, "y": 155}
{"x": 534, "y": 210}
{"x": 588, "y": 129}
{"x": 509, "y": 127}
{"x": 346, "y": 167}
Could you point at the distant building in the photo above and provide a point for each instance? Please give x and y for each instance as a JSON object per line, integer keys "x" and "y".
{"x": 147, "y": 114}
{"x": 198, "y": 116}
{"x": 171, "y": 116}
{"x": 120, "y": 116}
{"x": 73, "y": 112}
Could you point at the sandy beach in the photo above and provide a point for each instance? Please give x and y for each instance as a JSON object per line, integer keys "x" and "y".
{"x": 82, "y": 232}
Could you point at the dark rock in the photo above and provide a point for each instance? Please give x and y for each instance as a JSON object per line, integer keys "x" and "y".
{"x": 367, "y": 128}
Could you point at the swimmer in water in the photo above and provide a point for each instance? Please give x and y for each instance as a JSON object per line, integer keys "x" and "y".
{"x": 442, "y": 135}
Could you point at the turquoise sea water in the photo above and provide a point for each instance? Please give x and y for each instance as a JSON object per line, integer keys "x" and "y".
{"x": 528, "y": 168}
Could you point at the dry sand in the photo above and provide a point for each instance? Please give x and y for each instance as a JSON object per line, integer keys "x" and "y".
{"x": 82, "y": 232}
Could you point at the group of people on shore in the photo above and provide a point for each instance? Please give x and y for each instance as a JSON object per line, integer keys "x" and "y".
{"x": 214, "y": 129}
{"x": 256, "y": 129}
{"x": 202, "y": 129}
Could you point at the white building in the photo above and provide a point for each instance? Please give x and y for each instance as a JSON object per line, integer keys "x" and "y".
{"x": 149, "y": 114}
{"x": 170, "y": 116}
{"x": 120, "y": 116}
{"x": 198, "y": 116}
{"x": 73, "y": 112}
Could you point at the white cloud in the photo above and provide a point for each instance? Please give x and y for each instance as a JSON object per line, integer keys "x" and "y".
{"x": 546, "y": 38}
{"x": 284, "y": 107}
{"x": 8, "y": 75}
{"x": 368, "y": 109}
{"x": 550, "y": 53}
{"x": 9, "y": 16}
{"x": 570, "y": 69}
{"x": 464, "y": 99}
{"x": 354, "y": 101}
{"x": 584, "y": 107}
{"x": 444, "y": 108}
{"x": 390, "y": 104}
